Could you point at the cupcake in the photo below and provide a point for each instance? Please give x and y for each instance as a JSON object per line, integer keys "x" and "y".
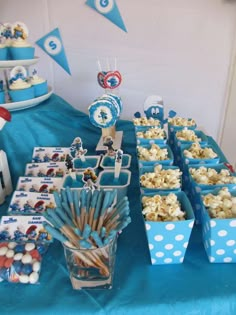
{"x": 3, "y": 50}
{"x": 19, "y": 88}
{"x": 39, "y": 84}
{"x": 20, "y": 49}
{"x": 2, "y": 93}
{"x": 5, "y": 40}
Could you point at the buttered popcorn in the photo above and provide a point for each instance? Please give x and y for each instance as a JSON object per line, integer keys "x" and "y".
{"x": 152, "y": 133}
{"x": 209, "y": 176}
{"x": 144, "y": 121}
{"x": 187, "y": 135}
{"x": 179, "y": 121}
{"x": 162, "y": 208}
{"x": 162, "y": 178}
{"x": 154, "y": 153}
{"x": 222, "y": 205}
{"x": 197, "y": 152}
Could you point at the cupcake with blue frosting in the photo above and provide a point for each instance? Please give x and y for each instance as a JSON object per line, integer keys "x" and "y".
{"x": 2, "y": 93}
{"x": 39, "y": 84}
{"x": 20, "y": 49}
{"x": 19, "y": 87}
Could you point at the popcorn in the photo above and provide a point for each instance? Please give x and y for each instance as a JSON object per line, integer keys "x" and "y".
{"x": 155, "y": 153}
{"x": 197, "y": 152}
{"x": 162, "y": 178}
{"x": 209, "y": 176}
{"x": 162, "y": 208}
{"x": 222, "y": 205}
{"x": 178, "y": 121}
{"x": 144, "y": 121}
{"x": 187, "y": 135}
{"x": 152, "y": 133}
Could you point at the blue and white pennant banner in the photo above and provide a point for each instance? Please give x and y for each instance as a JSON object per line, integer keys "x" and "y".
{"x": 109, "y": 9}
{"x": 52, "y": 44}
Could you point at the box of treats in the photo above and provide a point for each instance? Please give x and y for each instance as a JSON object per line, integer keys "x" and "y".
{"x": 151, "y": 154}
{"x": 169, "y": 219}
{"x": 196, "y": 154}
{"x": 160, "y": 178}
{"x": 219, "y": 224}
{"x": 140, "y": 123}
{"x": 39, "y": 184}
{"x": 176, "y": 124}
{"x": 206, "y": 177}
{"x": 150, "y": 135}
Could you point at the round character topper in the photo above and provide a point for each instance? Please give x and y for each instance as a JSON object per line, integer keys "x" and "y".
{"x": 112, "y": 79}
{"x": 20, "y": 30}
{"x": 18, "y": 72}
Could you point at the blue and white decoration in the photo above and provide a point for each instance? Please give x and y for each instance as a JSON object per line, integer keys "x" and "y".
{"x": 52, "y": 44}
{"x": 168, "y": 241}
{"x": 219, "y": 239}
{"x": 109, "y": 9}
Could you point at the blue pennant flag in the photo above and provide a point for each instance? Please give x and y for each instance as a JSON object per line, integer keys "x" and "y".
{"x": 109, "y": 9}
{"x": 52, "y": 44}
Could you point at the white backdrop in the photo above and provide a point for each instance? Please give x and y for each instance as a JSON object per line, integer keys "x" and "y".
{"x": 180, "y": 49}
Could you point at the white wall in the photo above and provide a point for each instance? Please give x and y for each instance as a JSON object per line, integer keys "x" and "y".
{"x": 180, "y": 49}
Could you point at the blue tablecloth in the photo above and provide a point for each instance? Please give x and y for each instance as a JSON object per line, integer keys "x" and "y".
{"x": 194, "y": 287}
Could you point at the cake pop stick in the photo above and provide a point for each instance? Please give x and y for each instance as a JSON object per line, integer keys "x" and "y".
{"x": 104, "y": 208}
{"x": 97, "y": 209}
{"x": 77, "y": 208}
{"x": 92, "y": 206}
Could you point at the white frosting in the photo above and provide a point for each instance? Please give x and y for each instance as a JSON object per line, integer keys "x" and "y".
{"x": 19, "y": 42}
{"x": 19, "y": 84}
{"x": 2, "y": 45}
{"x": 36, "y": 80}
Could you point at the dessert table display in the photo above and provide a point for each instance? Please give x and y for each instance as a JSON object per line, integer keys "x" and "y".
{"x": 195, "y": 286}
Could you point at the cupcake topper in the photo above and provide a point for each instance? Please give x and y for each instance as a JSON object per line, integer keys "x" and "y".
{"x": 77, "y": 150}
{"x": 20, "y": 30}
{"x": 6, "y": 30}
{"x": 108, "y": 142}
{"x": 89, "y": 178}
{"x": 18, "y": 72}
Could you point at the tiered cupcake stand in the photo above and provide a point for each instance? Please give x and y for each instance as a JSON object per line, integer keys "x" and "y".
{"x": 13, "y": 106}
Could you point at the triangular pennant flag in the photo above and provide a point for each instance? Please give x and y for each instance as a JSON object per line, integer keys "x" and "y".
{"x": 109, "y": 9}
{"x": 52, "y": 44}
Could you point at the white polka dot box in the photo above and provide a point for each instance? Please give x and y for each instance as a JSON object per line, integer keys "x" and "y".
{"x": 198, "y": 133}
{"x": 177, "y": 143}
{"x": 168, "y": 241}
{"x": 169, "y": 158}
{"x": 172, "y": 129}
{"x": 219, "y": 236}
{"x": 194, "y": 190}
{"x": 150, "y": 170}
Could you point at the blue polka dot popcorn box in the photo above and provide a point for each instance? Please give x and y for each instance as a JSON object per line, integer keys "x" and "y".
{"x": 168, "y": 241}
{"x": 219, "y": 235}
{"x": 159, "y": 177}
{"x": 183, "y": 160}
{"x": 193, "y": 188}
{"x": 150, "y": 135}
{"x": 176, "y": 124}
{"x": 150, "y": 151}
